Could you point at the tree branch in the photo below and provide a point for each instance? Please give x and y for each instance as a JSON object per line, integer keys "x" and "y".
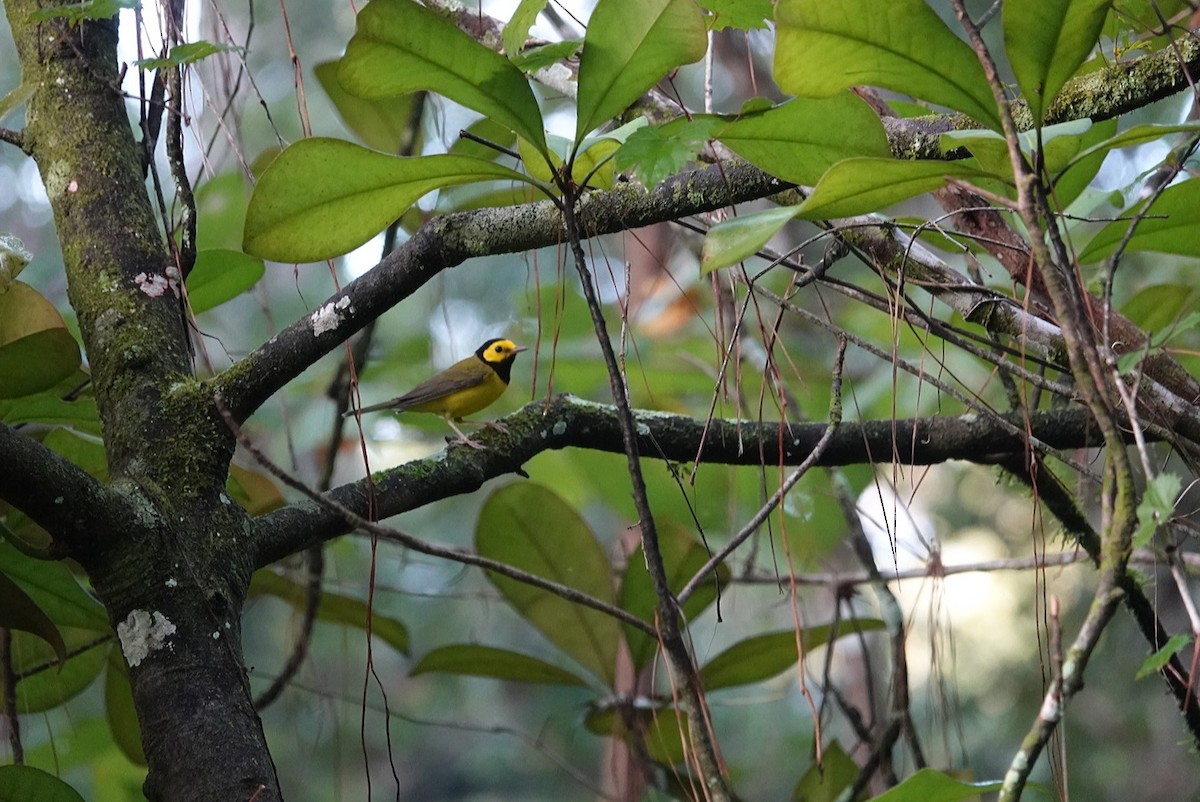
{"x": 565, "y": 421}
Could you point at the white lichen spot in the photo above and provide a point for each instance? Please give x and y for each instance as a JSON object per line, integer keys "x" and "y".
{"x": 171, "y": 582}
{"x": 643, "y": 429}
{"x": 59, "y": 499}
{"x": 153, "y": 284}
{"x": 1050, "y": 708}
{"x": 216, "y": 635}
{"x": 329, "y": 316}
{"x": 72, "y": 186}
{"x": 560, "y": 428}
{"x": 142, "y": 633}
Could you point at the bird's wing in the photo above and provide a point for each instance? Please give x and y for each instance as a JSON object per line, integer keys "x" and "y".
{"x": 435, "y": 388}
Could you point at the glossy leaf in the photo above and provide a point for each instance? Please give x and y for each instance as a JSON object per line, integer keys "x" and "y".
{"x": 324, "y": 197}
{"x": 18, "y": 611}
{"x": 535, "y": 58}
{"x": 763, "y": 656}
{"x": 682, "y": 557}
{"x": 928, "y": 785}
{"x": 661, "y": 729}
{"x": 517, "y": 30}
{"x": 334, "y": 608}
{"x": 822, "y": 48}
{"x": 1137, "y": 135}
{"x": 254, "y": 491}
{"x": 188, "y": 53}
{"x": 36, "y": 350}
{"x": 120, "y": 711}
{"x": 859, "y": 186}
{"x": 738, "y": 238}
{"x": 401, "y": 47}
{"x": 25, "y": 783}
{"x": 529, "y": 527}
{"x": 800, "y": 139}
{"x": 488, "y": 661}
{"x": 220, "y": 275}
{"x": 48, "y": 684}
{"x": 86, "y": 452}
{"x": 1072, "y": 179}
{"x": 51, "y": 408}
{"x": 379, "y": 123}
{"x": 1160, "y": 307}
{"x": 630, "y": 45}
{"x": 825, "y": 781}
{"x": 1047, "y": 41}
{"x": 54, "y": 589}
{"x": 1170, "y": 226}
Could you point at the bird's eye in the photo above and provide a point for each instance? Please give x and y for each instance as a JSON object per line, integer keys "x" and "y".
{"x": 498, "y": 349}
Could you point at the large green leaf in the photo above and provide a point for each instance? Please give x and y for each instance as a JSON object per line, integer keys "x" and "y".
{"x": 825, "y": 781}
{"x": 928, "y": 785}
{"x": 380, "y": 123}
{"x": 333, "y": 608}
{"x": 902, "y": 45}
{"x": 488, "y": 661}
{"x": 682, "y": 557}
{"x": 48, "y": 684}
{"x": 18, "y": 611}
{"x": 763, "y": 656}
{"x": 1170, "y": 226}
{"x": 324, "y": 197}
{"x": 800, "y": 139}
{"x": 630, "y": 45}
{"x": 54, "y": 589}
{"x": 517, "y": 29}
{"x": 531, "y": 528}
{"x": 25, "y": 783}
{"x": 1046, "y": 41}
{"x": 401, "y": 47}
{"x": 738, "y": 238}
{"x": 220, "y": 275}
{"x": 36, "y": 350}
{"x": 862, "y": 185}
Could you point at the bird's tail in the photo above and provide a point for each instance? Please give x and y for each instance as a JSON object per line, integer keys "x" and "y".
{"x": 372, "y": 408}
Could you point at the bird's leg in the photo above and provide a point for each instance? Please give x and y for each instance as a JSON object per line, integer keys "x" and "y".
{"x": 463, "y": 439}
{"x": 495, "y": 425}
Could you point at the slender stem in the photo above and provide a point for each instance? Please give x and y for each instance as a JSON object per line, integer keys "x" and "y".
{"x": 682, "y": 665}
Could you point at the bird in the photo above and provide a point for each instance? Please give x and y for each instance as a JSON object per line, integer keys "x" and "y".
{"x": 462, "y": 389}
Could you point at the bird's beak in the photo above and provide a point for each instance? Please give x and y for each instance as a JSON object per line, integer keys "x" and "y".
{"x": 519, "y": 349}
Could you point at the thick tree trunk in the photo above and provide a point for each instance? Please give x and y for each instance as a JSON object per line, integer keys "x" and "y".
{"x": 173, "y": 578}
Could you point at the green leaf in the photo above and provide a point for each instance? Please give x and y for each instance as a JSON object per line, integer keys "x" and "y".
{"x": 1156, "y": 507}
{"x": 825, "y": 781}
{"x": 738, "y": 238}
{"x": 86, "y": 452}
{"x": 18, "y": 611}
{"x": 120, "y": 711}
{"x": 382, "y": 123}
{"x": 1072, "y": 179}
{"x": 682, "y": 557}
{"x": 401, "y": 47}
{"x": 24, "y": 783}
{"x": 89, "y": 9}
{"x": 1170, "y": 226}
{"x": 529, "y": 527}
{"x": 185, "y": 54}
{"x": 488, "y": 661}
{"x": 1155, "y": 662}
{"x": 49, "y": 685}
{"x": 321, "y": 198}
{"x": 36, "y": 349}
{"x": 661, "y": 729}
{"x": 1137, "y": 135}
{"x": 745, "y": 15}
{"x": 55, "y": 590}
{"x": 800, "y": 139}
{"x": 1047, "y": 41}
{"x": 630, "y": 45}
{"x": 517, "y": 29}
{"x": 334, "y": 608}
{"x": 655, "y": 153}
{"x": 862, "y": 185}
{"x": 535, "y": 58}
{"x": 50, "y": 408}
{"x": 763, "y": 656}
{"x": 928, "y": 785}
{"x": 220, "y": 275}
{"x": 1160, "y": 306}
{"x": 822, "y": 48}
